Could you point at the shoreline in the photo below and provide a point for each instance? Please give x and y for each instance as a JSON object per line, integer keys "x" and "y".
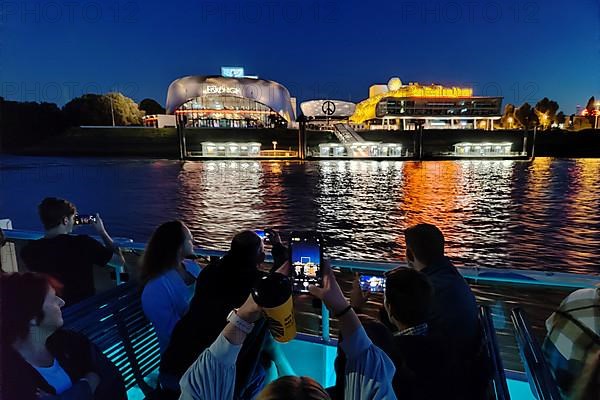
{"x": 150, "y": 143}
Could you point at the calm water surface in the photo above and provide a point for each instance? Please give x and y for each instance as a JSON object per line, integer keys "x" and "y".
{"x": 540, "y": 215}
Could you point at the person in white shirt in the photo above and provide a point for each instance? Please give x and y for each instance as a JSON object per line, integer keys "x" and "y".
{"x": 369, "y": 370}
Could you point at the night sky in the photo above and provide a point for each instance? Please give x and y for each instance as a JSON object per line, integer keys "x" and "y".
{"x": 522, "y": 50}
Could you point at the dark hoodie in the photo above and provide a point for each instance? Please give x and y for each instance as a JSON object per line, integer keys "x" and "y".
{"x": 221, "y": 287}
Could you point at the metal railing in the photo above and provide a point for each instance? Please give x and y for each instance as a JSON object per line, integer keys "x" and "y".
{"x": 540, "y": 378}
{"x": 500, "y": 387}
{"x": 346, "y": 134}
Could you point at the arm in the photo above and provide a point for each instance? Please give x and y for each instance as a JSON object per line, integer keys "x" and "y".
{"x": 106, "y": 239}
{"x": 105, "y": 379}
{"x": 279, "y": 251}
{"x": 369, "y": 370}
{"x": 212, "y": 375}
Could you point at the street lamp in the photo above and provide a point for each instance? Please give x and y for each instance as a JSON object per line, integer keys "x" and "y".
{"x": 274, "y": 145}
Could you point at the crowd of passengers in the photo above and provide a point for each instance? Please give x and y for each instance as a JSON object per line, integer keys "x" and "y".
{"x": 425, "y": 344}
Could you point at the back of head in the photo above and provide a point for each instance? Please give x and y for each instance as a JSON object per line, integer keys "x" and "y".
{"x": 53, "y": 210}
{"x": 409, "y": 294}
{"x": 246, "y": 248}
{"x": 294, "y": 388}
{"x": 426, "y": 242}
{"x": 162, "y": 250}
{"x": 22, "y": 297}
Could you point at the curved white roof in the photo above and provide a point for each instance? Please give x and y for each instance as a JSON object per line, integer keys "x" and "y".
{"x": 327, "y": 108}
{"x": 269, "y": 93}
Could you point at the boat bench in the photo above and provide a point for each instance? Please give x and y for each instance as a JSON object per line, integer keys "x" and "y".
{"x": 541, "y": 380}
{"x": 115, "y": 322}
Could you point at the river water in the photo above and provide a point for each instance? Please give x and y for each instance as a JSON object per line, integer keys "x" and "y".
{"x": 508, "y": 214}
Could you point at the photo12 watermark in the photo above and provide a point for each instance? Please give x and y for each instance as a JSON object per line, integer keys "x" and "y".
{"x": 271, "y": 12}
{"x": 454, "y": 12}
{"x": 62, "y": 92}
{"x": 68, "y": 12}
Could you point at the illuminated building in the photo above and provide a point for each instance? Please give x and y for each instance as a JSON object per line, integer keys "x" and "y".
{"x": 483, "y": 149}
{"x": 230, "y": 102}
{"x": 159, "y": 121}
{"x": 230, "y": 149}
{"x": 396, "y": 106}
{"x": 360, "y": 149}
{"x": 323, "y": 114}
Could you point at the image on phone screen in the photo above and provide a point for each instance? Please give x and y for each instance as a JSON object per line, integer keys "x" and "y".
{"x": 372, "y": 283}
{"x": 306, "y": 261}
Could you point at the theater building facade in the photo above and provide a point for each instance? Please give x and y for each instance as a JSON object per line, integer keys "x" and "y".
{"x": 225, "y": 102}
{"x": 397, "y": 106}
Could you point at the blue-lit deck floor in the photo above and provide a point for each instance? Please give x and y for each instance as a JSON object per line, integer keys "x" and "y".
{"x": 316, "y": 360}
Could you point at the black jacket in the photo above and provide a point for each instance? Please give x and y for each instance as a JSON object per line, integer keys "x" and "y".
{"x": 221, "y": 287}
{"x": 454, "y": 310}
{"x": 77, "y": 355}
{"x": 422, "y": 368}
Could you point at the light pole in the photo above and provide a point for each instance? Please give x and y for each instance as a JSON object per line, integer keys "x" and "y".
{"x": 112, "y": 110}
{"x": 274, "y": 145}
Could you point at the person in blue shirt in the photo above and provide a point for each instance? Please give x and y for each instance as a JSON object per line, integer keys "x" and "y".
{"x": 168, "y": 278}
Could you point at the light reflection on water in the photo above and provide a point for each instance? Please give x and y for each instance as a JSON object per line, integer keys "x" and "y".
{"x": 544, "y": 214}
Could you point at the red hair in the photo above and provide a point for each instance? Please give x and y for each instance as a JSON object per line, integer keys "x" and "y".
{"x": 21, "y": 299}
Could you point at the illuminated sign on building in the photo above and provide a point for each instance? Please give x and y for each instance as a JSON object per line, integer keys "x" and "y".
{"x": 232, "y": 72}
{"x": 213, "y": 89}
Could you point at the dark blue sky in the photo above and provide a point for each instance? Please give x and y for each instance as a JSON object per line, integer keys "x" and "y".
{"x": 522, "y": 50}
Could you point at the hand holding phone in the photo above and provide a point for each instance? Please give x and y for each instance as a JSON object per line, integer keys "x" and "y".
{"x": 84, "y": 219}
{"x": 263, "y": 235}
{"x": 372, "y": 283}
{"x": 306, "y": 254}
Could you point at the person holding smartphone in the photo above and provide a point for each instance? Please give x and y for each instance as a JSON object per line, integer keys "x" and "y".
{"x": 69, "y": 258}
{"x": 368, "y": 371}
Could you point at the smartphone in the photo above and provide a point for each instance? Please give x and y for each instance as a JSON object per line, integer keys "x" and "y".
{"x": 263, "y": 235}
{"x": 306, "y": 253}
{"x": 81, "y": 219}
{"x": 372, "y": 283}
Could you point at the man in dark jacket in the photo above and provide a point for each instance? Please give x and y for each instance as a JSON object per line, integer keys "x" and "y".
{"x": 223, "y": 286}
{"x": 454, "y": 310}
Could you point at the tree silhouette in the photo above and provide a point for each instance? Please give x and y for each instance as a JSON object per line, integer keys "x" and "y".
{"x": 95, "y": 109}
{"x": 526, "y": 116}
{"x": 508, "y": 117}
{"x": 151, "y": 107}
{"x": 546, "y": 111}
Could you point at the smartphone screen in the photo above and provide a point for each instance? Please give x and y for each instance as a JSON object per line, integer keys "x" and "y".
{"x": 372, "y": 283}
{"x": 84, "y": 219}
{"x": 306, "y": 253}
{"x": 263, "y": 235}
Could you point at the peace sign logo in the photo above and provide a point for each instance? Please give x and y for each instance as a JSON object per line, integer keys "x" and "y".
{"x": 328, "y": 107}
